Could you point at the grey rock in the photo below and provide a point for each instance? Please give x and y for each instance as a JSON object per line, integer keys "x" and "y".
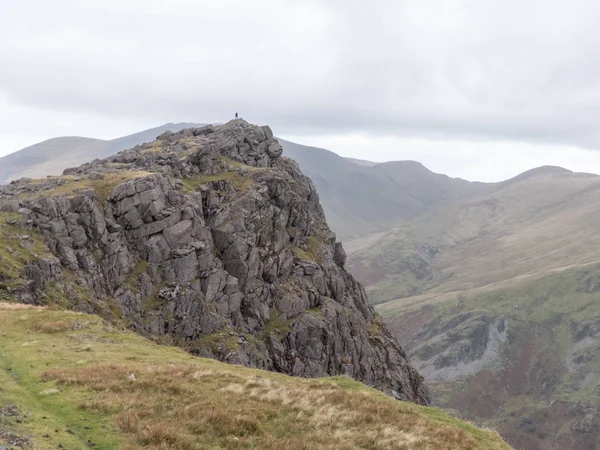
{"x": 246, "y": 256}
{"x": 339, "y": 255}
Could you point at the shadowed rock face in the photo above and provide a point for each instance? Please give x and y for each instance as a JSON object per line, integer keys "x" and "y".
{"x": 216, "y": 241}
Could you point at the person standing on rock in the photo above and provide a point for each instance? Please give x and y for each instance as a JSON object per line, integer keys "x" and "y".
{"x": 236, "y": 115}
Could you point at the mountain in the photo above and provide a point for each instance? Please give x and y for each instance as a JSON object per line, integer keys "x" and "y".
{"x": 362, "y": 162}
{"x": 205, "y": 238}
{"x": 359, "y": 197}
{"x": 51, "y": 157}
{"x": 74, "y": 381}
{"x": 363, "y": 199}
{"x": 497, "y": 298}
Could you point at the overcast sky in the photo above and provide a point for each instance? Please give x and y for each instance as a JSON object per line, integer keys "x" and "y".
{"x": 482, "y": 89}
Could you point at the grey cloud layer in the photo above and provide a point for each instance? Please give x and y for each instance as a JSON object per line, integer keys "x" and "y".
{"x": 525, "y": 70}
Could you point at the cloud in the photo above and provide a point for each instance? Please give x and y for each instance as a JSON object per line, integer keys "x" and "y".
{"x": 457, "y": 70}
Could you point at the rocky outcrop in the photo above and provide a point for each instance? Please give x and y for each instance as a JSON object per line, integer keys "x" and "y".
{"x": 210, "y": 238}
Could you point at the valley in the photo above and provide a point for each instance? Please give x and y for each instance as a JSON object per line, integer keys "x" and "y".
{"x": 497, "y": 299}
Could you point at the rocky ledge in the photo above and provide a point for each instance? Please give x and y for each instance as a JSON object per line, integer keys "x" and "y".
{"x": 209, "y": 239}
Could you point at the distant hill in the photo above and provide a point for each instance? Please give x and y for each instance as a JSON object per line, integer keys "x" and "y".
{"x": 361, "y": 199}
{"x": 497, "y": 298}
{"x": 51, "y": 157}
{"x": 541, "y": 220}
{"x": 363, "y": 162}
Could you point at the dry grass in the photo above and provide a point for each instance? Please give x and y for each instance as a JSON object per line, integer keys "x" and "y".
{"x": 51, "y": 327}
{"x": 171, "y": 407}
{"x": 102, "y": 187}
{"x": 176, "y": 401}
{"x": 4, "y": 306}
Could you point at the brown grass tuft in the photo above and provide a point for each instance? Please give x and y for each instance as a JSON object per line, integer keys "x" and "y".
{"x": 51, "y": 327}
{"x": 179, "y": 407}
{"x": 17, "y": 306}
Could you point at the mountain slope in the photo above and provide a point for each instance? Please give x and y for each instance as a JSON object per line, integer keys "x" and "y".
{"x": 210, "y": 239}
{"x": 522, "y": 357}
{"x": 498, "y": 300}
{"x": 525, "y": 227}
{"x": 53, "y": 156}
{"x": 73, "y": 381}
{"x": 363, "y": 199}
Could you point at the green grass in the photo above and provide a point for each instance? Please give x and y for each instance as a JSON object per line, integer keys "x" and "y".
{"x": 312, "y": 252}
{"x": 223, "y": 339}
{"x": 177, "y": 401}
{"x": 133, "y": 276}
{"x": 25, "y": 251}
{"x": 315, "y": 312}
{"x": 276, "y": 325}
{"x": 375, "y": 326}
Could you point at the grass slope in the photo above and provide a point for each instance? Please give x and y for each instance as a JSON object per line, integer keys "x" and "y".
{"x": 542, "y": 388}
{"x": 72, "y": 381}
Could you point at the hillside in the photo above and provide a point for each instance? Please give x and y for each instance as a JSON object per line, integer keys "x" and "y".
{"x": 525, "y": 227}
{"x": 53, "y": 156}
{"x": 497, "y": 300}
{"x": 362, "y": 198}
{"x": 73, "y": 381}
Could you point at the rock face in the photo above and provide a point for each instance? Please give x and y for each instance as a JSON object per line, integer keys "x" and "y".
{"x": 210, "y": 238}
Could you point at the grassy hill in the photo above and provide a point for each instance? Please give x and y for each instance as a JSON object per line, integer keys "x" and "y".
{"x": 497, "y": 300}
{"x": 73, "y": 381}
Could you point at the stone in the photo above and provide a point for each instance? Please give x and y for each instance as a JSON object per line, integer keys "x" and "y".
{"x": 339, "y": 255}
{"x": 245, "y": 257}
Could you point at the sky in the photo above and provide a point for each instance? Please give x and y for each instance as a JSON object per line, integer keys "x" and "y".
{"x": 481, "y": 89}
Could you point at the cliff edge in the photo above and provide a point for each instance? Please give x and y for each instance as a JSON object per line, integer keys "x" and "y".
{"x": 207, "y": 238}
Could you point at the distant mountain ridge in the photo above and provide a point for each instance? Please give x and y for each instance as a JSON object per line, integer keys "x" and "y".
{"x": 360, "y": 197}
{"x": 52, "y": 156}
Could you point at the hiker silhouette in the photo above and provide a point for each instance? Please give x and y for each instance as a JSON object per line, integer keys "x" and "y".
{"x": 236, "y": 115}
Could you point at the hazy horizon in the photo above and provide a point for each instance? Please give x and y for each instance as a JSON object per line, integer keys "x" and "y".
{"x": 357, "y": 147}
{"x": 474, "y": 90}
